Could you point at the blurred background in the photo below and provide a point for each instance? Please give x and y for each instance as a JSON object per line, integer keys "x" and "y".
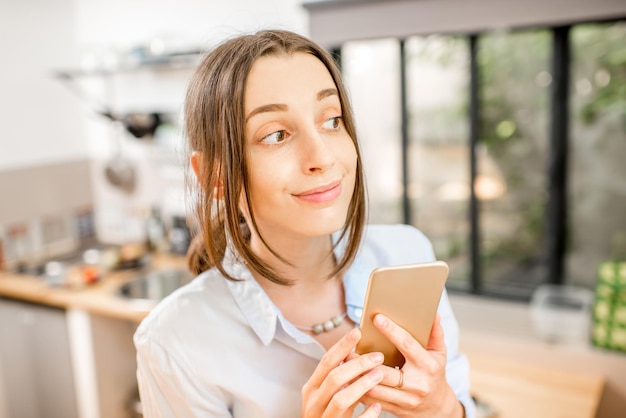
{"x": 498, "y": 128}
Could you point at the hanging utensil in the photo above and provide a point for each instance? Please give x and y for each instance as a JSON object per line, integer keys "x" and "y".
{"x": 140, "y": 125}
{"x": 119, "y": 171}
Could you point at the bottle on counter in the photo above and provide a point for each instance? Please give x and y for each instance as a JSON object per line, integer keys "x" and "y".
{"x": 91, "y": 266}
{"x": 156, "y": 238}
{"x": 179, "y": 235}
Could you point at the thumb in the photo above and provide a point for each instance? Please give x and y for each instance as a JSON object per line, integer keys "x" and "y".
{"x": 436, "y": 341}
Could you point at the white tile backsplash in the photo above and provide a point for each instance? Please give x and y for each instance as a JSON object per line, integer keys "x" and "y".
{"x": 38, "y": 209}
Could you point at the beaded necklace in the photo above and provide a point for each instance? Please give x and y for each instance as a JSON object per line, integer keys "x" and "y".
{"x": 325, "y": 326}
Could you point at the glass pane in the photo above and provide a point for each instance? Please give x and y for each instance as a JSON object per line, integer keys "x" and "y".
{"x": 371, "y": 70}
{"x": 437, "y": 96}
{"x": 597, "y": 189}
{"x": 512, "y": 159}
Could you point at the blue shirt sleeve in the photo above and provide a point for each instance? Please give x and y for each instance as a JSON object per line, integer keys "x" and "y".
{"x": 403, "y": 244}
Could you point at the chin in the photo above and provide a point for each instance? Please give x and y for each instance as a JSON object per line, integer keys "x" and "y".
{"x": 324, "y": 225}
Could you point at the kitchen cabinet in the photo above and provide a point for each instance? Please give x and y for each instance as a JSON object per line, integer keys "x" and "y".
{"x": 104, "y": 356}
{"x": 70, "y": 350}
{"x": 36, "y": 373}
{"x": 64, "y": 363}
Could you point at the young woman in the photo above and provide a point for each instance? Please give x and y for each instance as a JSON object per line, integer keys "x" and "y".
{"x": 268, "y": 327}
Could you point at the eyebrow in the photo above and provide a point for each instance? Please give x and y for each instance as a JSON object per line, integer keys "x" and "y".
{"x": 326, "y": 93}
{"x": 321, "y": 95}
{"x": 267, "y": 108}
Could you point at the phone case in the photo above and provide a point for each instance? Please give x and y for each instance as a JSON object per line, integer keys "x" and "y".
{"x": 409, "y": 295}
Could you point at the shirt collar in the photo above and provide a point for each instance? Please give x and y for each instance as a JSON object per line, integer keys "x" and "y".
{"x": 356, "y": 277}
{"x": 255, "y": 305}
{"x": 263, "y": 315}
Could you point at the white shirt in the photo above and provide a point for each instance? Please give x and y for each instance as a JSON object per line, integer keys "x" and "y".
{"x": 221, "y": 348}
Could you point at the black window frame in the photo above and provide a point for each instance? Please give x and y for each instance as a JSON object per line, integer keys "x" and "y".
{"x": 556, "y": 170}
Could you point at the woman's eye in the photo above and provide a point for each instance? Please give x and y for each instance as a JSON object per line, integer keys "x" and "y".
{"x": 274, "y": 138}
{"x": 332, "y": 123}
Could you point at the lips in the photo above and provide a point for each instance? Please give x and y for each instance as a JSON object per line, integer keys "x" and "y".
{"x": 321, "y": 194}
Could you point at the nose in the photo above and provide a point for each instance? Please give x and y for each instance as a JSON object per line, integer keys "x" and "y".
{"x": 317, "y": 153}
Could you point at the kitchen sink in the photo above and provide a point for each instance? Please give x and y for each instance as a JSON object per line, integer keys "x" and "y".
{"x": 151, "y": 287}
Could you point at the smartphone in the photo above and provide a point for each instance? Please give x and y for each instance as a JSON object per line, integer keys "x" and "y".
{"x": 409, "y": 295}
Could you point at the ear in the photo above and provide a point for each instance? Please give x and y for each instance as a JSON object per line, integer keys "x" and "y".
{"x": 197, "y": 160}
{"x": 196, "y": 165}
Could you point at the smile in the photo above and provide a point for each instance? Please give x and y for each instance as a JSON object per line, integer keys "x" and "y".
{"x": 322, "y": 194}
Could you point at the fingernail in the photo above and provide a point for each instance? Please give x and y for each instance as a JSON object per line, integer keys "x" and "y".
{"x": 380, "y": 320}
{"x": 377, "y": 357}
{"x": 376, "y": 407}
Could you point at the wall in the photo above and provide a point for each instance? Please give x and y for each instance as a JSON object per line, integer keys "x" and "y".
{"x": 40, "y": 210}
{"x": 44, "y": 172}
{"x": 105, "y": 33}
{"x": 40, "y": 121}
{"x": 45, "y": 121}
{"x": 335, "y": 22}
{"x": 131, "y": 22}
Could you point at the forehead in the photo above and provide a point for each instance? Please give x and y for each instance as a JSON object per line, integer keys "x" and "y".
{"x": 273, "y": 78}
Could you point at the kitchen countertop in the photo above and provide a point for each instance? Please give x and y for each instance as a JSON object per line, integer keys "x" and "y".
{"x": 514, "y": 389}
{"x": 508, "y": 386}
{"x": 98, "y": 298}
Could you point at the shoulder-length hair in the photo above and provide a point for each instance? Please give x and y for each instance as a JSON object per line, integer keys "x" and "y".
{"x": 215, "y": 127}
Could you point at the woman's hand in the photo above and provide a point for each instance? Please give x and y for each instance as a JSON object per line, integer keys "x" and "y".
{"x": 338, "y": 384}
{"x": 420, "y": 388}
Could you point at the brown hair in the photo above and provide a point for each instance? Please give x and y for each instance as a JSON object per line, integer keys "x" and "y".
{"x": 215, "y": 126}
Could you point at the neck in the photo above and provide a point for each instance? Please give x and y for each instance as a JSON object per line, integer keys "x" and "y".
{"x": 314, "y": 297}
{"x": 307, "y": 260}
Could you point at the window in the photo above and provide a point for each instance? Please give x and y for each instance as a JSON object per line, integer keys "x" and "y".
{"x": 437, "y": 114}
{"x": 597, "y": 191}
{"x": 370, "y": 70}
{"x": 438, "y": 153}
{"x": 512, "y": 157}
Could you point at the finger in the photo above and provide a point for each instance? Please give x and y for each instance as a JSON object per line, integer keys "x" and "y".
{"x": 391, "y": 376}
{"x": 436, "y": 340}
{"x": 399, "y": 337}
{"x": 372, "y": 411}
{"x": 349, "y": 371}
{"x": 334, "y": 356}
{"x": 351, "y": 356}
{"x": 397, "y": 396}
{"x": 388, "y": 393}
{"x": 346, "y": 399}
{"x": 393, "y": 403}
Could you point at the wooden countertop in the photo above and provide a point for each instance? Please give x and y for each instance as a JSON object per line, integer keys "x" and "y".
{"x": 520, "y": 374}
{"x": 520, "y": 390}
{"x": 98, "y": 298}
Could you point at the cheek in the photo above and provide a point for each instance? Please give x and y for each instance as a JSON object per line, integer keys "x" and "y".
{"x": 349, "y": 155}
{"x": 266, "y": 177}
{"x": 350, "y": 165}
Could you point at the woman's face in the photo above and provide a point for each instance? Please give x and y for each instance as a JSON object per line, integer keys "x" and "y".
{"x": 302, "y": 162}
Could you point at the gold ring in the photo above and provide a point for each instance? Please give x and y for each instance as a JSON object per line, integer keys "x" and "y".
{"x": 401, "y": 381}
